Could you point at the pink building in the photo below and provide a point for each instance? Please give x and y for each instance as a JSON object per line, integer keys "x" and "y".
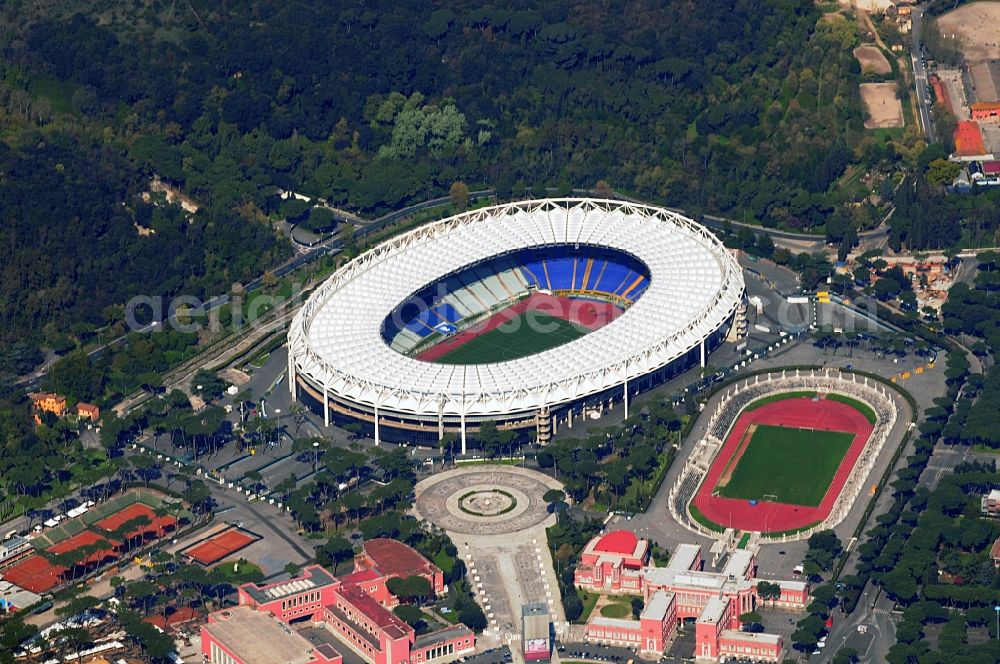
{"x": 393, "y": 559}
{"x": 650, "y": 634}
{"x": 613, "y": 563}
{"x": 715, "y": 617}
{"x": 241, "y": 635}
{"x": 328, "y": 613}
{"x": 618, "y": 563}
{"x": 755, "y": 647}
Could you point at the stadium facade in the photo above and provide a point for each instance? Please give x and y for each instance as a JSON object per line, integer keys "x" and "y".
{"x": 359, "y": 347}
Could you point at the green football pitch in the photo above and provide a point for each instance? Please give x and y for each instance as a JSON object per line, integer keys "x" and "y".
{"x": 516, "y": 338}
{"x": 787, "y": 465}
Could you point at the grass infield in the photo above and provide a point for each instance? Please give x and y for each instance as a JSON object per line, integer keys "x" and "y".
{"x": 787, "y": 465}
{"x": 529, "y": 333}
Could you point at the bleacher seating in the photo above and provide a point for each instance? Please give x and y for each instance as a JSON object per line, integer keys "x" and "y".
{"x": 484, "y": 287}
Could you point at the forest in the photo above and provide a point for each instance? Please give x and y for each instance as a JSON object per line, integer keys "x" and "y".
{"x": 368, "y": 107}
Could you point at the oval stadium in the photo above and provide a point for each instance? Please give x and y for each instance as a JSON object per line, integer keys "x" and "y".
{"x": 525, "y": 314}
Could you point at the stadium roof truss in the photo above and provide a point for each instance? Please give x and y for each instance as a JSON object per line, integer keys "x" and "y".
{"x": 335, "y": 340}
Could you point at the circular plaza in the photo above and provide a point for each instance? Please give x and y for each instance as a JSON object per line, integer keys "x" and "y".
{"x": 485, "y": 500}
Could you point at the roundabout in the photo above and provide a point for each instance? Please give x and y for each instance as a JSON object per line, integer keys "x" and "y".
{"x": 486, "y": 500}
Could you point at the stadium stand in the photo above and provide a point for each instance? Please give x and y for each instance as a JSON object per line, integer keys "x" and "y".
{"x": 465, "y": 297}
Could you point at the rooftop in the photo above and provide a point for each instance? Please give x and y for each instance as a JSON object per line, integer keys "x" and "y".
{"x": 620, "y": 623}
{"x": 312, "y": 577}
{"x": 684, "y": 557}
{"x": 735, "y": 635}
{"x": 13, "y": 544}
{"x": 714, "y": 610}
{"x": 441, "y": 636}
{"x": 739, "y": 562}
{"x": 348, "y": 620}
{"x": 791, "y": 584}
{"x": 378, "y": 614}
{"x": 618, "y": 541}
{"x": 322, "y": 639}
{"x": 16, "y": 596}
{"x": 658, "y": 605}
{"x": 360, "y": 576}
{"x": 394, "y": 558}
{"x": 257, "y": 637}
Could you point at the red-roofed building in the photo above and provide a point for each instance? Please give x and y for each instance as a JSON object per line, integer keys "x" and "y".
{"x": 168, "y": 623}
{"x": 394, "y": 559}
{"x": 373, "y": 583}
{"x": 995, "y": 553}
{"x": 681, "y": 590}
{"x": 991, "y": 168}
{"x": 613, "y": 563}
{"x": 985, "y": 110}
{"x": 88, "y": 411}
{"x": 348, "y": 609}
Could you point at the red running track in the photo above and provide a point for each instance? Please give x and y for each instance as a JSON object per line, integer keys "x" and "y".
{"x": 799, "y": 412}
{"x": 591, "y": 314}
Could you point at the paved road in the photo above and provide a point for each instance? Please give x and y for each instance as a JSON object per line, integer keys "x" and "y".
{"x": 874, "y": 615}
{"x": 920, "y": 74}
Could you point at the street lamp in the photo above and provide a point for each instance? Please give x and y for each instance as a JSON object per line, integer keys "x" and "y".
{"x": 997, "y": 609}
{"x": 315, "y": 454}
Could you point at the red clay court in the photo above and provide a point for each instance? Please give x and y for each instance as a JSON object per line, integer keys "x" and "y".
{"x": 34, "y": 573}
{"x": 86, "y": 538}
{"x": 968, "y": 139}
{"x": 588, "y": 313}
{"x": 216, "y": 548}
{"x": 801, "y": 413}
{"x": 157, "y": 525}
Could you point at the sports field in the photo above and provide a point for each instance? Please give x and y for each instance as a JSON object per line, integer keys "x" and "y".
{"x": 783, "y": 464}
{"x": 815, "y": 456}
{"x": 529, "y": 333}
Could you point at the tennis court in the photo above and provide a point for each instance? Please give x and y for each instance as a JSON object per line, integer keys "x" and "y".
{"x": 224, "y": 544}
{"x": 34, "y": 573}
{"x": 156, "y": 524}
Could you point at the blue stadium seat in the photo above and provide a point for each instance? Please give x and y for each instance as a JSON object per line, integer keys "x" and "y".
{"x": 611, "y": 279}
{"x": 447, "y": 313}
{"x": 560, "y": 272}
{"x": 532, "y": 271}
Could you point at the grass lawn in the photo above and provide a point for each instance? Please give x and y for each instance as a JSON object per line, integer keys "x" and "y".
{"x": 247, "y": 572}
{"x": 862, "y": 408}
{"x": 514, "y": 339}
{"x": 778, "y": 397}
{"x": 793, "y": 465}
{"x": 444, "y": 561}
{"x": 589, "y": 600}
{"x": 615, "y": 610}
{"x": 703, "y": 520}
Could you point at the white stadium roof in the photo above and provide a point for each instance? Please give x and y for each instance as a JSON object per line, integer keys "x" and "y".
{"x": 336, "y": 343}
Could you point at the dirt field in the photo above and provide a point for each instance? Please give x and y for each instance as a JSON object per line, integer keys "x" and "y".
{"x": 872, "y": 58}
{"x": 884, "y": 110}
{"x": 977, "y": 26}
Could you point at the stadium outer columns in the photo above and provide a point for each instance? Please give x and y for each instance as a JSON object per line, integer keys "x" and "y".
{"x": 326, "y": 399}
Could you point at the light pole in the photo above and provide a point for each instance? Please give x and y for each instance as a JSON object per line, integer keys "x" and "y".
{"x": 997, "y": 609}
{"x": 315, "y": 454}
